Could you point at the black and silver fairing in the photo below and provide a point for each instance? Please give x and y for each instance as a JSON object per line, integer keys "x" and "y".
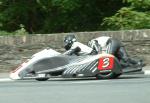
{"x": 70, "y": 66}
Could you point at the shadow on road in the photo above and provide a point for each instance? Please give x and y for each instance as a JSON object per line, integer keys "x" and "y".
{"x": 122, "y": 77}
{"x": 93, "y": 78}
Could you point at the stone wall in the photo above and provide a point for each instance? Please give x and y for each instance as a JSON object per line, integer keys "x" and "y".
{"x": 15, "y": 49}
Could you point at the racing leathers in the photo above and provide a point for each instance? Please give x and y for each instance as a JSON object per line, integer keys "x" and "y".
{"x": 78, "y": 49}
{"x": 99, "y": 44}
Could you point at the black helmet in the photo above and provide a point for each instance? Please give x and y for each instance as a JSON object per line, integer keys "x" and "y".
{"x": 69, "y": 40}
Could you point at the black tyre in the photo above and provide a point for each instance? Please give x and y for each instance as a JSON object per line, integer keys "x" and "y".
{"x": 44, "y": 77}
{"x": 116, "y": 76}
{"x": 41, "y": 79}
{"x": 107, "y": 75}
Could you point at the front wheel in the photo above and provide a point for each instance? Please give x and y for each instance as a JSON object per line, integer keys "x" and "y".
{"x": 42, "y": 77}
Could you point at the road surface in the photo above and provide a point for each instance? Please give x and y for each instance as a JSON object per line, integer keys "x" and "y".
{"x": 126, "y": 89}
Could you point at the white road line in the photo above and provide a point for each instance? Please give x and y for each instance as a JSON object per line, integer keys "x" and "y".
{"x": 84, "y": 82}
{"x": 5, "y": 79}
{"x": 147, "y": 72}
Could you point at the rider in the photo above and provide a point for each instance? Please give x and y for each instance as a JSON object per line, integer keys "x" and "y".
{"x": 112, "y": 46}
{"x": 74, "y": 47}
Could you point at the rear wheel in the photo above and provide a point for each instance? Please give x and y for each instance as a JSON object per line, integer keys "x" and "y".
{"x": 107, "y": 75}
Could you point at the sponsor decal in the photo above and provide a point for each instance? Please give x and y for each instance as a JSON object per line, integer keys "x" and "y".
{"x": 105, "y": 63}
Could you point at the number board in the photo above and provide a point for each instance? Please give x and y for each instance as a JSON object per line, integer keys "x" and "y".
{"x": 105, "y": 63}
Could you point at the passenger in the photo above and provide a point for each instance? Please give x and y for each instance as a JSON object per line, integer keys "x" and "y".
{"x": 112, "y": 46}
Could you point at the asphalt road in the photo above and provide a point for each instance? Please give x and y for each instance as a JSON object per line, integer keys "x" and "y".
{"x": 126, "y": 89}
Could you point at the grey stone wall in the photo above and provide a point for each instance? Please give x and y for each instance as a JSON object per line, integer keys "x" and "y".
{"x": 15, "y": 49}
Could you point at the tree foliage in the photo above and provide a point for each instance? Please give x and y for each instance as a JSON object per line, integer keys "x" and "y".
{"x": 134, "y": 16}
{"x": 49, "y": 16}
